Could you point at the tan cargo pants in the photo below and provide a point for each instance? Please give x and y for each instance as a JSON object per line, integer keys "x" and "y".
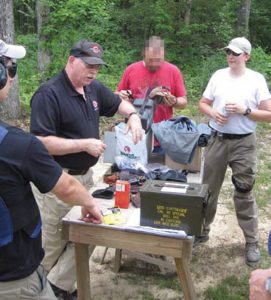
{"x": 59, "y": 260}
{"x": 35, "y": 287}
{"x": 240, "y": 156}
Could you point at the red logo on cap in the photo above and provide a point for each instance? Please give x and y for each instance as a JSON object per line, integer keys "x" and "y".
{"x": 127, "y": 149}
{"x": 95, "y": 49}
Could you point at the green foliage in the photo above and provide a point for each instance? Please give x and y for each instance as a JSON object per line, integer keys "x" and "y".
{"x": 261, "y": 62}
{"x": 231, "y": 288}
{"x": 27, "y": 69}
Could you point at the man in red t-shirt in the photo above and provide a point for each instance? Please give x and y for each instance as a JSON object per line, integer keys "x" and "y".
{"x": 141, "y": 77}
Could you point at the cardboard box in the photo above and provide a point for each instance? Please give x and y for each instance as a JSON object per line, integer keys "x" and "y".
{"x": 194, "y": 166}
{"x": 173, "y": 205}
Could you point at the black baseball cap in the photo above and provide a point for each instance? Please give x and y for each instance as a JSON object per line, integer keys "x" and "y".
{"x": 90, "y": 52}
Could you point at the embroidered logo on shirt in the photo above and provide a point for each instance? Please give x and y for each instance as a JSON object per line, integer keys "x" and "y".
{"x": 95, "y": 104}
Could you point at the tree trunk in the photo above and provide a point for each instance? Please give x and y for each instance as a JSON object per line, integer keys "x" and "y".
{"x": 242, "y": 28}
{"x": 44, "y": 57}
{"x": 10, "y": 108}
{"x": 187, "y": 16}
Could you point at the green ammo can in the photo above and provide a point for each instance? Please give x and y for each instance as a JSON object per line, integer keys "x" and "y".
{"x": 173, "y": 205}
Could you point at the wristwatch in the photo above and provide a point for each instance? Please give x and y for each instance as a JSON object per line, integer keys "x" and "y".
{"x": 268, "y": 285}
{"x": 247, "y": 111}
{"x": 133, "y": 113}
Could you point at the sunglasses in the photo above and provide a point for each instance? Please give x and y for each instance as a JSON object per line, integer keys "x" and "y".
{"x": 230, "y": 52}
{"x": 12, "y": 70}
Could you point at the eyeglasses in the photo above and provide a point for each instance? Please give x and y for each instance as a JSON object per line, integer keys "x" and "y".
{"x": 12, "y": 70}
{"x": 230, "y": 52}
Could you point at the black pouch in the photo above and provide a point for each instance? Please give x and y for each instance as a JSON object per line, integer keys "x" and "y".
{"x": 107, "y": 193}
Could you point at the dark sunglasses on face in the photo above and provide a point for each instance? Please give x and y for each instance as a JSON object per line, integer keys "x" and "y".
{"x": 229, "y": 52}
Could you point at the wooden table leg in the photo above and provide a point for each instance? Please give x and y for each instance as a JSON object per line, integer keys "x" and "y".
{"x": 185, "y": 278}
{"x": 118, "y": 254}
{"x": 82, "y": 271}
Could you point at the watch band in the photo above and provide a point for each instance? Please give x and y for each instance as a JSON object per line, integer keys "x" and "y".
{"x": 133, "y": 113}
{"x": 247, "y": 112}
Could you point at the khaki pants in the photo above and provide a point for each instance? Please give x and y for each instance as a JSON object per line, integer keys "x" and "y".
{"x": 240, "y": 156}
{"x": 35, "y": 286}
{"x": 59, "y": 260}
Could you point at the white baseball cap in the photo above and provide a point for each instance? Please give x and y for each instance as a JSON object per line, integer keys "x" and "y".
{"x": 239, "y": 45}
{"x": 11, "y": 51}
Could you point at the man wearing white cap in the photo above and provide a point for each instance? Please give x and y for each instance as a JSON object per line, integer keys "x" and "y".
{"x": 234, "y": 100}
{"x": 24, "y": 159}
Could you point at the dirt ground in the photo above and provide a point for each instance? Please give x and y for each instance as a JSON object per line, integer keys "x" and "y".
{"x": 220, "y": 257}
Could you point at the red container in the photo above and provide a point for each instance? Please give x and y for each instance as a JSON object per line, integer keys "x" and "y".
{"x": 122, "y": 194}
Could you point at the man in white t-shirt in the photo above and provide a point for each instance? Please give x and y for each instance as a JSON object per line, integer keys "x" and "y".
{"x": 234, "y": 100}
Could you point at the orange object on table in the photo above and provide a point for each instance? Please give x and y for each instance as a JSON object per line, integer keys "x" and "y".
{"x": 122, "y": 194}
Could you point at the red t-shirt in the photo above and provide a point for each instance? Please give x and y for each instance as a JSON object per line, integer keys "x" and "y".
{"x": 139, "y": 79}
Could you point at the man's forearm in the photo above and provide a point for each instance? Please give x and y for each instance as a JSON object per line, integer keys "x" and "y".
{"x": 70, "y": 191}
{"x": 61, "y": 146}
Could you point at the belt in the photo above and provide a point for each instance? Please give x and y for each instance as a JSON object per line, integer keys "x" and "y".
{"x": 229, "y": 136}
{"x": 76, "y": 172}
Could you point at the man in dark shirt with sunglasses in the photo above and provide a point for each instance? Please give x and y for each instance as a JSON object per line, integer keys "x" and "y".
{"x": 65, "y": 117}
{"x": 24, "y": 159}
{"x": 234, "y": 100}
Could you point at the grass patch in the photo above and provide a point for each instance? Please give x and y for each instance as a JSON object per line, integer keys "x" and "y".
{"x": 231, "y": 288}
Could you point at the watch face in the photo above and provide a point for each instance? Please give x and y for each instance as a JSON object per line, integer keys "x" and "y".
{"x": 247, "y": 112}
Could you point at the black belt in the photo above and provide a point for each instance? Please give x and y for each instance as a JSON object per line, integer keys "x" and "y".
{"x": 77, "y": 172}
{"x": 229, "y": 136}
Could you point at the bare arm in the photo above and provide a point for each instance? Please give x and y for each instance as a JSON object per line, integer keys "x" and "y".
{"x": 262, "y": 114}
{"x": 70, "y": 191}
{"x": 205, "y": 106}
{"x": 134, "y": 122}
{"x": 61, "y": 146}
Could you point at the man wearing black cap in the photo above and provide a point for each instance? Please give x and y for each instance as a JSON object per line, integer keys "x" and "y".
{"x": 234, "y": 100}
{"x": 65, "y": 117}
{"x": 24, "y": 159}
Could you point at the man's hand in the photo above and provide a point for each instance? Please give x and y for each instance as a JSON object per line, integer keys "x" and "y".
{"x": 134, "y": 124}
{"x": 170, "y": 100}
{"x": 257, "y": 285}
{"x": 91, "y": 214}
{"x": 233, "y": 108}
{"x": 125, "y": 95}
{"x": 94, "y": 147}
{"x": 219, "y": 118}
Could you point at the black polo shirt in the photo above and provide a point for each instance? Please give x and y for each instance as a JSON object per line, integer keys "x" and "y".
{"x": 23, "y": 158}
{"x": 58, "y": 109}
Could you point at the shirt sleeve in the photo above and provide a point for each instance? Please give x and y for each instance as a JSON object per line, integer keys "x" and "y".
{"x": 109, "y": 102}
{"x": 179, "y": 87}
{"x": 262, "y": 91}
{"x": 40, "y": 167}
{"x": 209, "y": 91}
{"x": 45, "y": 114}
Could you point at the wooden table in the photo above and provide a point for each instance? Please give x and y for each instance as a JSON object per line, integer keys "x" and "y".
{"x": 125, "y": 237}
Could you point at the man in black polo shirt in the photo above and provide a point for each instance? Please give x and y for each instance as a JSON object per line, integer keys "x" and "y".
{"x": 65, "y": 117}
{"x": 24, "y": 159}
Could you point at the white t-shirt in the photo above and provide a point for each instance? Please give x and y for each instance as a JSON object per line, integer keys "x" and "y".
{"x": 247, "y": 90}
